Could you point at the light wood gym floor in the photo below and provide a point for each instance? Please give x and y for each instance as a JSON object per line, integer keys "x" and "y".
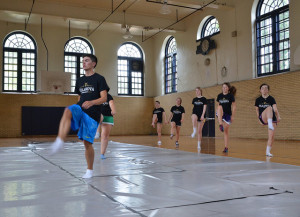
{"x": 285, "y": 152}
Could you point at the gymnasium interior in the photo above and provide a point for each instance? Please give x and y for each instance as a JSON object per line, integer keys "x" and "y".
{"x": 149, "y": 50}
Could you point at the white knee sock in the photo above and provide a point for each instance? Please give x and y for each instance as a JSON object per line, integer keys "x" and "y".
{"x": 199, "y": 144}
{"x": 268, "y": 151}
{"x": 270, "y": 124}
{"x": 194, "y": 132}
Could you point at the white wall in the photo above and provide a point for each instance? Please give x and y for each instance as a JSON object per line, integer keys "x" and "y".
{"x": 106, "y": 45}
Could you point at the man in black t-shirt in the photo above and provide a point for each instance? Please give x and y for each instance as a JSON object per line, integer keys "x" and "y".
{"x": 85, "y": 115}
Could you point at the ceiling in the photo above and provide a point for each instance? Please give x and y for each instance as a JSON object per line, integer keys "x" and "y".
{"x": 94, "y": 15}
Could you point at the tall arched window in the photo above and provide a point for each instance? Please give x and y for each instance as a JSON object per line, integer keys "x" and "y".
{"x": 210, "y": 27}
{"x": 75, "y": 48}
{"x": 171, "y": 66}
{"x": 130, "y": 70}
{"x": 273, "y": 37}
{"x": 19, "y": 63}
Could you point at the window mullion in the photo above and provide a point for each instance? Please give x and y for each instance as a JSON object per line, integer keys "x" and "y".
{"x": 174, "y": 73}
{"x": 77, "y": 66}
{"x": 129, "y": 77}
{"x": 274, "y": 44}
{"x": 19, "y": 84}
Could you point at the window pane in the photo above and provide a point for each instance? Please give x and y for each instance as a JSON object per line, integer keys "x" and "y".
{"x": 26, "y": 68}
{"x": 73, "y": 62}
{"x": 78, "y": 45}
{"x": 129, "y": 50}
{"x": 271, "y": 5}
{"x": 210, "y": 27}
{"x": 171, "y": 66}
{"x": 20, "y": 41}
{"x": 273, "y": 44}
{"x": 129, "y": 82}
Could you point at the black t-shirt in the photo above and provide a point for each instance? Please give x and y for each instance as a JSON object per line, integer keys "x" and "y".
{"x": 263, "y": 103}
{"x": 89, "y": 88}
{"x": 177, "y": 112}
{"x": 105, "y": 107}
{"x": 159, "y": 112}
{"x": 198, "y": 105}
{"x": 225, "y": 101}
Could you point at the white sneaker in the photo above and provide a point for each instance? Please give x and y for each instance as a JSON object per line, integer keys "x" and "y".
{"x": 88, "y": 174}
{"x": 193, "y": 134}
{"x": 269, "y": 154}
{"x": 159, "y": 143}
{"x": 97, "y": 136}
{"x": 57, "y": 145}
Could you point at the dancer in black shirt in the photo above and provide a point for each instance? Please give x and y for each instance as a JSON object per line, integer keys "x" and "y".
{"x": 158, "y": 116}
{"x": 267, "y": 113}
{"x": 176, "y": 118}
{"x": 226, "y": 110}
{"x": 198, "y": 114}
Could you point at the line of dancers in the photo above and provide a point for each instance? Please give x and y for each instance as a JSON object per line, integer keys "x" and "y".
{"x": 266, "y": 111}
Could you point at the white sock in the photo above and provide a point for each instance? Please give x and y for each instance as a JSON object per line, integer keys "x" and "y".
{"x": 88, "y": 174}
{"x": 194, "y": 132}
{"x": 268, "y": 150}
{"x": 159, "y": 142}
{"x": 57, "y": 145}
{"x": 199, "y": 144}
{"x": 97, "y": 136}
{"x": 270, "y": 124}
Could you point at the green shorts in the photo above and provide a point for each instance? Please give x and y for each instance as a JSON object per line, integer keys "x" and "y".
{"x": 108, "y": 120}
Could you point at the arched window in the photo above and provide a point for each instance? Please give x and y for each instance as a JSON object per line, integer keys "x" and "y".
{"x": 171, "y": 66}
{"x": 19, "y": 63}
{"x": 273, "y": 37}
{"x": 75, "y": 48}
{"x": 210, "y": 27}
{"x": 130, "y": 70}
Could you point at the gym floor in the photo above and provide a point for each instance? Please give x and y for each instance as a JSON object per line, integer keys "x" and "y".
{"x": 138, "y": 178}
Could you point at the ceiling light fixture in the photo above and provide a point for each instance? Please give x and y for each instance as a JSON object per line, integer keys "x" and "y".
{"x": 165, "y": 8}
{"x": 127, "y": 34}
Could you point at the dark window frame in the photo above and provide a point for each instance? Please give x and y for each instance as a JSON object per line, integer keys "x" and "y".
{"x": 19, "y": 52}
{"x": 205, "y": 26}
{"x": 173, "y": 65}
{"x": 77, "y": 56}
{"x": 275, "y": 54}
{"x": 130, "y": 71}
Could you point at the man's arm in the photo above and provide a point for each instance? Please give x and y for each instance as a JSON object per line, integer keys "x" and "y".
{"x": 99, "y": 101}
